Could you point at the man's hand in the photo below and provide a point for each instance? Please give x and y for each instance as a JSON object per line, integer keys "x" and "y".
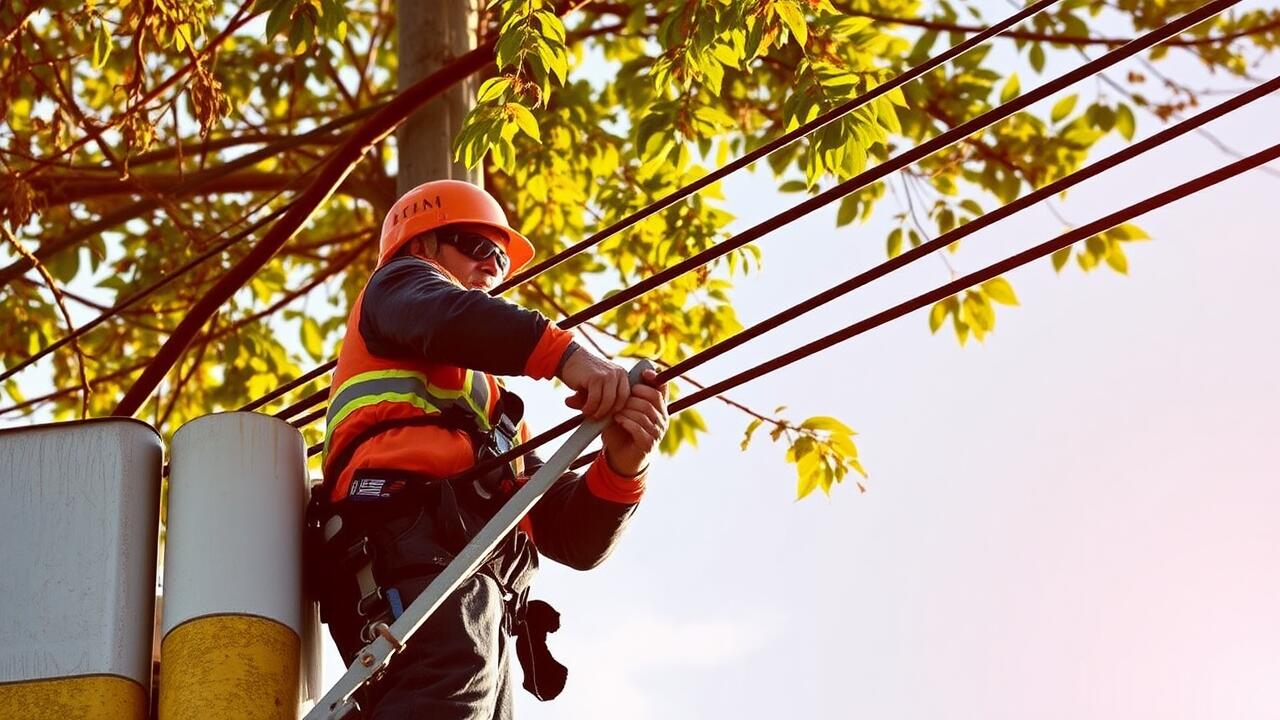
{"x": 637, "y": 428}
{"x": 602, "y": 387}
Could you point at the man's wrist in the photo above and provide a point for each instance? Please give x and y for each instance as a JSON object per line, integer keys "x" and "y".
{"x": 564, "y": 357}
{"x": 625, "y": 469}
{"x": 607, "y": 483}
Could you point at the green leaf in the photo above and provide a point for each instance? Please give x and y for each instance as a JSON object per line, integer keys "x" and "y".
{"x": 1117, "y": 259}
{"x": 1102, "y": 117}
{"x": 807, "y": 481}
{"x": 999, "y": 290}
{"x": 793, "y": 18}
{"x": 938, "y": 315}
{"x": 492, "y": 89}
{"x": 1036, "y": 56}
{"x": 809, "y": 470}
{"x": 1012, "y": 88}
{"x": 1063, "y": 108}
{"x": 1129, "y": 231}
{"x": 751, "y": 428}
{"x": 15, "y": 390}
{"x": 525, "y": 119}
{"x": 1060, "y": 258}
{"x": 893, "y": 245}
{"x": 1125, "y": 124}
{"x": 312, "y": 339}
{"x": 278, "y": 17}
{"x": 843, "y": 444}
{"x": 848, "y": 211}
{"x": 101, "y": 46}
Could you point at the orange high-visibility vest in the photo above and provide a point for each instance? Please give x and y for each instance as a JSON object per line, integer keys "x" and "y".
{"x": 402, "y": 415}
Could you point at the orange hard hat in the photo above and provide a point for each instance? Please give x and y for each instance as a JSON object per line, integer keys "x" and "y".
{"x": 438, "y": 203}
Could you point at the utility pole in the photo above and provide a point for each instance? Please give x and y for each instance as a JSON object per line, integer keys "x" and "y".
{"x": 431, "y": 34}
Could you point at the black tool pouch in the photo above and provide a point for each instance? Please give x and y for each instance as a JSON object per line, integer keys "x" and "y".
{"x": 322, "y": 581}
{"x": 544, "y": 676}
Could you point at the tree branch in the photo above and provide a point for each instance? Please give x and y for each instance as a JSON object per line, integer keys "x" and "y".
{"x": 192, "y": 183}
{"x": 65, "y": 188}
{"x": 66, "y": 316}
{"x": 340, "y": 164}
{"x": 241, "y": 17}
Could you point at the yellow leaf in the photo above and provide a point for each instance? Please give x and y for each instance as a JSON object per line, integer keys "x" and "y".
{"x": 999, "y": 290}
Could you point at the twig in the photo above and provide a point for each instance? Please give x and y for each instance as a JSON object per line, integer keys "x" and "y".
{"x": 62, "y": 306}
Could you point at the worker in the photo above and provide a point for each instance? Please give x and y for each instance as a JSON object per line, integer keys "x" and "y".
{"x": 415, "y": 400}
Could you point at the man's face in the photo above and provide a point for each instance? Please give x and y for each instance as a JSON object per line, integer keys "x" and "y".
{"x": 473, "y": 274}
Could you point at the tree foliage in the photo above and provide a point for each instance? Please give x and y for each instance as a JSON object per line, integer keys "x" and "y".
{"x": 140, "y": 133}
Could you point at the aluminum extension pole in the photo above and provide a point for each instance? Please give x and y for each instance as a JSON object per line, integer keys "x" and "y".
{"x": 374, "y": 657}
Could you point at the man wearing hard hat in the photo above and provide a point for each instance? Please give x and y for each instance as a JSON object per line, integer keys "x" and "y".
{"x": 415, "y": 399}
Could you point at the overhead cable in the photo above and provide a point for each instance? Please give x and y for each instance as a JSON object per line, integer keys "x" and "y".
{"x": 297, "y": 382}
{"x": 779, "y": 142}
{"x": 919, "y": 302}
{"x": 955, "y": 235}
{"x": 305, "y": 403}
{"x": 899, "y": 162}
{"x": 1044, "y": 249}
{"x": 133, "y": 299}
{"x": 720, "y": 173}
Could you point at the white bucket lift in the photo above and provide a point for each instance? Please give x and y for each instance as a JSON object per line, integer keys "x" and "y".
{"x": 79, "y": 512}
{"x": 239, "y": 640}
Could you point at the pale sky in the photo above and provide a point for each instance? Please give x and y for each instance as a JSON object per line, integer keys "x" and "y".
{"x": 1074, "y": 519}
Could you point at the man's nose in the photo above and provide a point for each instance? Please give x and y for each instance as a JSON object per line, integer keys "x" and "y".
{"x": 492, "y": 262}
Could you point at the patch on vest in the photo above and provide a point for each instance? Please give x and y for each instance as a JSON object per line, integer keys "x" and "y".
{"x": 373, "y": 488}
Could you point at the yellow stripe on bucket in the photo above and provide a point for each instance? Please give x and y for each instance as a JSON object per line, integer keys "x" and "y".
{"x": 229, "y": 667}
{"x": 88, "y": 697}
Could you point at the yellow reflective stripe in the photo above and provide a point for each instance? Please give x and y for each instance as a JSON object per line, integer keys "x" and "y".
{"x": 378, "y": 375}
{"x": 409, "y": 387}
{"x": 476, "y": 392}
{"x": 366, "y": 400}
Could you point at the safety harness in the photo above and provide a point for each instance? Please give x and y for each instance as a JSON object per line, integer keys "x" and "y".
{"x": 380, "y": 535}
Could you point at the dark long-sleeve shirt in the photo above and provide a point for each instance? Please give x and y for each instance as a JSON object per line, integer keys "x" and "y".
{"x": 411, "y": 310}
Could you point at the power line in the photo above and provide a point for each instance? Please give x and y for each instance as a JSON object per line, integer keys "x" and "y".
{"x": 777, "y": 143}
{"x": 909, "y": 157}
{"x": 307, "y": 419}
{"x": 297, "y": 382}
{"x": 715, "y": 176}
{"x": 1044, "y": 249}
{"x": 309, "y": 401}
{"x": 913, "y": 155}
{"x": 919, "y": 302}
{"x": 131, "y": 300}
{"x": 955, "y": 235}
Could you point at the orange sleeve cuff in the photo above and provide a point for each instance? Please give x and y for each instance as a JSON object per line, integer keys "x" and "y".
{"x": 546, "y": 354}
{"x": 606, "y": 484}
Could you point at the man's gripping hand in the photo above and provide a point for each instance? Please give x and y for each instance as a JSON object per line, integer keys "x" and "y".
{"x": 601, "y": 387}
{"x": 637, "y": 428}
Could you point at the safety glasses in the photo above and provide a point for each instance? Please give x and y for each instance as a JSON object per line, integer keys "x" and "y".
{"x": 477, "y": 247}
